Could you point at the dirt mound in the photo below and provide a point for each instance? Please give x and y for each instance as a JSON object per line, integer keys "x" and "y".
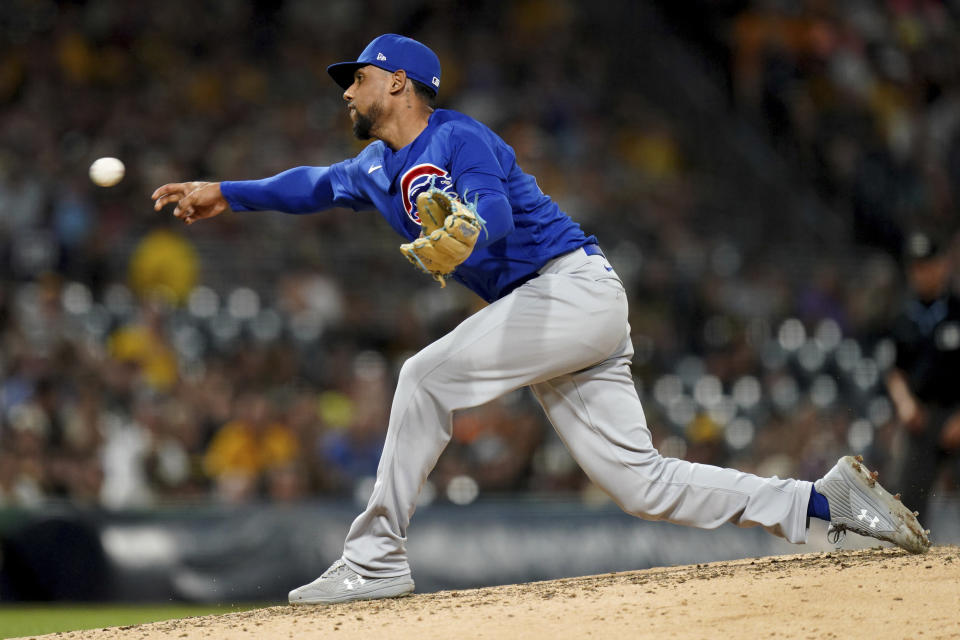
{"x": 874, "y": 593}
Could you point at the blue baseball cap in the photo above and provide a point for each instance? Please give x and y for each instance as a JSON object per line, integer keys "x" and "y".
{"x": 391, "y": 52}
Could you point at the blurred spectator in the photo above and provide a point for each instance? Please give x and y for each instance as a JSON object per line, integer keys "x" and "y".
{"x": 494, "y": 445}
{"x": 248, "y": 449}
{"x": 144, "y": 347}
{"x": 348, "y": 451}
{"x": 164, "y": 265}
{"x": 754, "y": 347}
{"x": 922, "y": 383}
{"x": 858, "y": 94}
{"x": 128, "y": 442}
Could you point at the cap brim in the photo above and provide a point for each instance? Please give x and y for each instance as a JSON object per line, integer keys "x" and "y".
{"x": 342, "y": 72}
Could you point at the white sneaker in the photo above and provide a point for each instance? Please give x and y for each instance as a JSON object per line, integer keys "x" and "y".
{"x": 858, "y": 503}
{"x": 340, "y": 583}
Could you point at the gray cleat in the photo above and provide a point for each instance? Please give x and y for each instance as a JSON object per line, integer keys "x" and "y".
{"x": 858, "y": 503}
{"x": 340, "y": 583}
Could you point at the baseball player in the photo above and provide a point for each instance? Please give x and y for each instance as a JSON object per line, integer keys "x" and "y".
{"x": 556, "y": 322}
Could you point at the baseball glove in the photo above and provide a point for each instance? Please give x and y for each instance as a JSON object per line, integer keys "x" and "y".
{"x": 450, "y": 230}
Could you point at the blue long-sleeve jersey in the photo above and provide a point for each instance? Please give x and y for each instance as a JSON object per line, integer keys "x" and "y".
{"x": 524, "y": 227}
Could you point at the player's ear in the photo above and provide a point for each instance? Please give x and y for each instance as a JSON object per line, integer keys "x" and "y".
{"x": 398, "y": 81}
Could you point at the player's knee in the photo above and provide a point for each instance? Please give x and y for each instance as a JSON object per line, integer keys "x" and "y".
{"x": 409, "y": 373}
{"x": 643, "y": 496}
{"x": 415, "y": 373}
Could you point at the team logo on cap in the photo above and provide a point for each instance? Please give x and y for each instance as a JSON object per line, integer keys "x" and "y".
{"x": 417, "y": 180}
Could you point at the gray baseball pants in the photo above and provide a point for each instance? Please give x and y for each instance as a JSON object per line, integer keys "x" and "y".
{"x": 565, "y": 334}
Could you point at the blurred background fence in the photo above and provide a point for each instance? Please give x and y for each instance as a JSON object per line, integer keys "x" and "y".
{"x": 750, "y": 168}
{"x": 256, "y": 553}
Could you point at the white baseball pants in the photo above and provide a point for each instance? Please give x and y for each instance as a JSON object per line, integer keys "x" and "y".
{"x": 565, "y": 334}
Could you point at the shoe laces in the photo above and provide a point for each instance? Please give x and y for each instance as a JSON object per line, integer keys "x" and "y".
{"x": 836, "y": 532}
{"x": 337, "y": 568}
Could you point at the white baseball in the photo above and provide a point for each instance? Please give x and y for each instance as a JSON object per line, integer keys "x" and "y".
{"x": 107, "y": 172}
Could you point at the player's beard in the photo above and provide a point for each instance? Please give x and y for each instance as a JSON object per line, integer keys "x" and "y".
{"x": 364, "y": 123}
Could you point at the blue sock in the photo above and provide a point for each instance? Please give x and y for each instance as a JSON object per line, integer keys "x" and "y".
{"x": 818, "y": 507}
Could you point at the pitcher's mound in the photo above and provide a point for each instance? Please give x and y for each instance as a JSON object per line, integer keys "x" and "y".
{"x": 875, "y": 593}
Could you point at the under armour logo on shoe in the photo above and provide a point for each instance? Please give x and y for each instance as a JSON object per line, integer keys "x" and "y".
{"x": 353, "y": 584}
{"x": 863, "y": 516}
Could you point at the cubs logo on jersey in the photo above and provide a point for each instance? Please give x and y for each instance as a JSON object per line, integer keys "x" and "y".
{"x": 418, "y": 179}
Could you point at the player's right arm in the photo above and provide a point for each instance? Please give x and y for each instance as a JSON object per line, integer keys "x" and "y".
{"x": 297, "y": 190}
{"x": 910, "y": 411}
{"x": 194, "y": 200}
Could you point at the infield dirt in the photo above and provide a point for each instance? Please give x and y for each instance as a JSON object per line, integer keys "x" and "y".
{"x": 875, "y": 593}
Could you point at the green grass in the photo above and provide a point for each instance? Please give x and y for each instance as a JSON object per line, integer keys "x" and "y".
{"x": 38, "y": 619}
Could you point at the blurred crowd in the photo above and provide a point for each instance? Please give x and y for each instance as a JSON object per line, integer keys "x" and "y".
{"x": 864, "y": 98}
{"x": 254, "y": 356}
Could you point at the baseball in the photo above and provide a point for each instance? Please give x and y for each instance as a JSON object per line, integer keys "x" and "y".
{"x": 107, "y": 172}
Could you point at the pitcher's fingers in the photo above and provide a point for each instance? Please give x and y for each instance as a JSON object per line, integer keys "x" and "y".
{"x": 163, "y": 201}
{"x": 170, "y": 187}
{"x": 187, "y": 202}
{"x": 183, "y": 214}
{"x": 184, "y": 209}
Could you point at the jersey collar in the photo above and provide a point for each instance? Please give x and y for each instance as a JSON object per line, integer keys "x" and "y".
{"x": 395, "y": 161}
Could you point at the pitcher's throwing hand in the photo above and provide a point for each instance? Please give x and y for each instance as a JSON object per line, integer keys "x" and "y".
{"x": 195, "y": 200}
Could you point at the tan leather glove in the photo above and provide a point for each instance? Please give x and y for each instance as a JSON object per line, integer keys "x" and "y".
{"x": 450, "y": 231}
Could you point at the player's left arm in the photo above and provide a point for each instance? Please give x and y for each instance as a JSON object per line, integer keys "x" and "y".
{"x": 480, "y": 179}
{"x": 452, "y": 230}
{"x": 494, "y": 209}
